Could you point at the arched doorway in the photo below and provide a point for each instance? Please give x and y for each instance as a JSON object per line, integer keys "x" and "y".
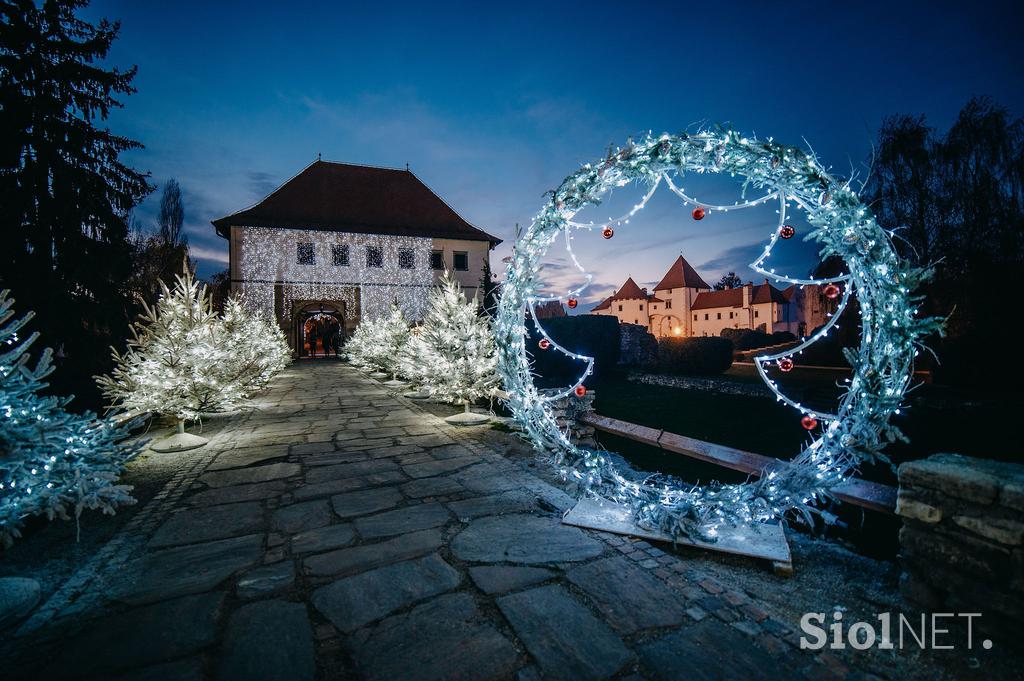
{"x": 667, "y": 325}
{"x": 319, "y": 330}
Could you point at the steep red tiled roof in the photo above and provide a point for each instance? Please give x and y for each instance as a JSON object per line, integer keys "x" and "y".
{"x": 630, "y": 290}
{"x": 766, "y": 293}
{"x": 681, "y": 275}
{"x": 733, "y": 297}
{"x": 342, "y": 197}
{"x": 730, "y": 297}
{"x": 654, "y": 299}
{"x": 603, "y": 305}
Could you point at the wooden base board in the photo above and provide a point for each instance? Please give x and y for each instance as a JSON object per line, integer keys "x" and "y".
{"x": 767, "y": 542}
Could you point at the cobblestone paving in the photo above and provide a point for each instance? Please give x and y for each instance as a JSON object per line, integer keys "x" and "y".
{"x": 340, "y": 531}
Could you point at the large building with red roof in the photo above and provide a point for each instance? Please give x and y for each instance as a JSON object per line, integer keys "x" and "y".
{"x": 339, "y": 242}
{"x": 683, "y": 304}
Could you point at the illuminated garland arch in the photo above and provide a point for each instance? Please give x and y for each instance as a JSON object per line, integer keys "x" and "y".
{"x": 882, "y": 368}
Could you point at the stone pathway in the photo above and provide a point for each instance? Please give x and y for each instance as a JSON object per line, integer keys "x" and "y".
{"x": 340, "y": 531}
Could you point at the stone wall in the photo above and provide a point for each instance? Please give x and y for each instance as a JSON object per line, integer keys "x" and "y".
{"x": 637, "y": 347}
{"x": 717, "y": 385}
{"x": 961, "y": 541}
{"x": 567, "y": 412}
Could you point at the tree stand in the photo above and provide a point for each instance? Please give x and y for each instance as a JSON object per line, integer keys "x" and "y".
{"x": 179, "y": 442}
{"x": 416, "y": 395}
{"x": 467, "y": 418}
{"x": 395, "y": 383}
{"x": 378, "y": 374}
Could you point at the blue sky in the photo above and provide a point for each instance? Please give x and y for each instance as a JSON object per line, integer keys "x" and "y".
{"x": 492, "y": 106}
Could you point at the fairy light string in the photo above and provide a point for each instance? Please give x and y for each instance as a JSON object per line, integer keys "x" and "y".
{"x": 843, "y": 226}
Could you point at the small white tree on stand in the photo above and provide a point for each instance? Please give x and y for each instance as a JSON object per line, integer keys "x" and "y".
{"x": 172, "y": 365}
{"x": 253, "y": 347}
{"x": 385, "y": 343}
{"x": 453, "y": 356}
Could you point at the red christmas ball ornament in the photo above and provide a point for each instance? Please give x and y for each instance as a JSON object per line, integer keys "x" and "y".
{"x": 699, "y": 213}
{"x": 572, "y": 303}
{"x": 607, "y": 232}
{"x": 580, "y": 391}
{"x": 787, "y": 231}
{"x": 786, "y": 364}
{"x": 831, "y": 291}
{"x": 809, "y": 422}
{"x": 544, "y": 343}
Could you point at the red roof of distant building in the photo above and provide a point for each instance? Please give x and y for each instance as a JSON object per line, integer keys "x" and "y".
{"x": 733, "y": 297}
{"x": 342, "y": 197}
{"x": 681, "y": 275}
{"x": 603, "y": 305}
{"x": 766, "y": 293}
{"x": 730, "y": 297}
{"x": 630, "y": 291}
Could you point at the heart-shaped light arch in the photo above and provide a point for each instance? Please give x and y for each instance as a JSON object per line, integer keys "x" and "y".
{"x": 891, "y": 329}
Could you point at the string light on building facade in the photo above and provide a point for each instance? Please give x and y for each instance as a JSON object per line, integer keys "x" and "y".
{"x": 367, "y": 271}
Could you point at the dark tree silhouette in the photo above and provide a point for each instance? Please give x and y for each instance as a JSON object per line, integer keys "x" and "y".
{"x": 488, "y": 290}
{"x": 64, "y": 193}
{"x": 957, "y": 201}
{"x": 172, "y": 215}
{"x": 731, "y": 280}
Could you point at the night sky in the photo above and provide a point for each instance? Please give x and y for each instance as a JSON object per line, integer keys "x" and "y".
{"x": 493, "y": 106}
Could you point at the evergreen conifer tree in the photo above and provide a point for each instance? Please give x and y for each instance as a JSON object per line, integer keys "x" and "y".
{"x": 172, "y": 364}
{"x": 52, "y": 462}
{"x": 66, "y": 195}
{"x": 452, "y": 357}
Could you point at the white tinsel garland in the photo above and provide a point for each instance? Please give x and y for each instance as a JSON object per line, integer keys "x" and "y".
{"x": 891, "y": 329}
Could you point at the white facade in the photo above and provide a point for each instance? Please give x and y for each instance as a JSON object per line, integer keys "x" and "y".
{"x": 272, "y": 266}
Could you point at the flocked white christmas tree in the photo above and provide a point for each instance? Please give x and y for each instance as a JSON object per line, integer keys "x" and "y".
{"x": 253, "y": 346}
{"x": 172, "y": 365}
{"x": 52, "y": 462}
{"x": 452, "y": 357}
{"x": 379, "y": 343}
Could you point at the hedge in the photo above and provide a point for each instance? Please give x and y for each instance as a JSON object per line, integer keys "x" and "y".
{"x": 749, "y": 339}
{"x": 694, "y": 356}
{"x": 594, "y": 335}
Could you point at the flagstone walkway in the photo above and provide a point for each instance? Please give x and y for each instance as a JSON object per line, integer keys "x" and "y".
{"x": 340, "y": 531}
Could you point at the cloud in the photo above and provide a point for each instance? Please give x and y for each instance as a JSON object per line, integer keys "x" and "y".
{"x": 260, "y": 183}
{"x": 795, "y": 258}
{"x": 208, "y": 254}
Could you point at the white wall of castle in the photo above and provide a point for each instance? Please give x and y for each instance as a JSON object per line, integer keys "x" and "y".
{"x": 265, "y": 263}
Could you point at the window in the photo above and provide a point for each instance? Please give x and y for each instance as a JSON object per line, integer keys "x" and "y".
{"x": 756, "y": 313}
{"x": 304, "y": 253}
{"x": 636, "y": 321}
{"x": 460, "y": 261}
{"x": 406, "y": 258}
{"x": 374, "y": 256}
{"x": 705, "y": 316}
{"x": 340, "y": 254}
{"x": 694, "y": 317}
{"x": 730, "y": 315}
{"x": 655, "y": 307}
{"x": 668, "y": 304}
{"x": 437, "y": 260}
{"x": 620, "y": 308}
{"x": 719, "y": 315}
{"x": 641, "y": 307}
